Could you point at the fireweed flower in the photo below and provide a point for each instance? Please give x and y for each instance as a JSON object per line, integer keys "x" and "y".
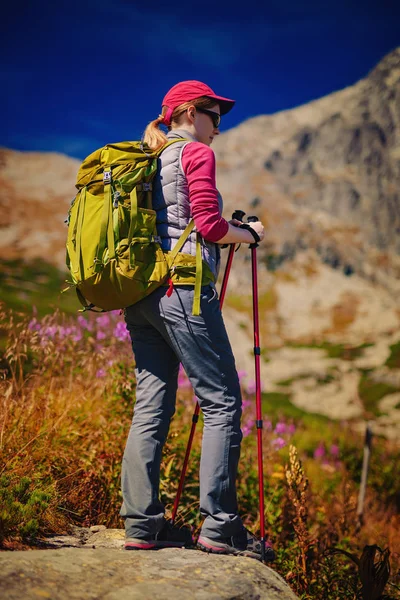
{"x": 100, "y": 373}
{"x": 334, "y": 451}
{"x": 103, "y": 321}
{"x": 84, "y": 323}
{"x": 241, "y": 374}
{"x": 100, "y": 335}
{"x": 121, "y": 332}
{"x": 278, "y": 443}
{"x": 183, "y": 381}
{"x": 245, "y": 403}
{"x": 33, "y": 325}
{"x": 77, "y": 337}
{"x": 319, "y": 451}
{"x": 247, "y": 427}
{"x": 267, "y": 425}
{"x": 280, "y": 428}
{"x": 251, "y": 387}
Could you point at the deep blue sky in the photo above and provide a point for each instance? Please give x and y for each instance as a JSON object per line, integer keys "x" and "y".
{"x": 75, "y": 75}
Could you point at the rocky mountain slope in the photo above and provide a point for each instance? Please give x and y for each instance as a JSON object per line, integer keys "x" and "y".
{"x": 325, "y": 176}
{"x": 36, "y": 191}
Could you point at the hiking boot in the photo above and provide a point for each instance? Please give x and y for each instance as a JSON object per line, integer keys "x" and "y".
{"x": 244, "y": 544}
{"x": 170, "y": 536}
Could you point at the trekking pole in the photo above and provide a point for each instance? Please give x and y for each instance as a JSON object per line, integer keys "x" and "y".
{"x": 259, "y": 421}
{"x": 364, "y": 475}
{"x": 238, "y": 215}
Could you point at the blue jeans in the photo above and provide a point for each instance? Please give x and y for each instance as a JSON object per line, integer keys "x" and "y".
{"x": 164, "y": 333}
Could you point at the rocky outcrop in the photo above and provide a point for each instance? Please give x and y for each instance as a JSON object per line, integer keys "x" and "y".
{"x": 325, "y": 176}
{"x": 93, "y": 565}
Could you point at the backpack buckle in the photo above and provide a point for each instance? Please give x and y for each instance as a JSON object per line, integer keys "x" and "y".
{"x": 116, "y": 196}
{"x": 146, "y": 187}
{"x": 107, "y": 177}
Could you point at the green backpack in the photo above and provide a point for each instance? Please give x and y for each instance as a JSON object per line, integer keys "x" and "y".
{"x": 114, "y": 254}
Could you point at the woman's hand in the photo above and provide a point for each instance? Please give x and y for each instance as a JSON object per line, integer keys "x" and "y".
{"x": 258, "y": 228}
{"x": 235, "y": 222}
{"x": 236, "y": 235}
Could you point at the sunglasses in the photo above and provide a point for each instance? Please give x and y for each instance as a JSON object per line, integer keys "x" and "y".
{"x": 215, "y": 117}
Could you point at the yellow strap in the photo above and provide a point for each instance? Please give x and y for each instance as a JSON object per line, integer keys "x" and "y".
{"x": 182, "y": 239}
{"x": 134, "y": 211}
{"x": 82, "y": 201}
{"x": 110, "y": 228}
{"x": 104, "y": 235}
{"x": 199, "y": 277}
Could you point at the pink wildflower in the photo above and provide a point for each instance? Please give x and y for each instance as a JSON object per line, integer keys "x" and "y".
{"x": 103, "y": 321}
{"x": 319, "y": 451}
{"x": 278, "y": 443}
{"x": 280, "y": 428}
{"x": 77, "y": 337}
{"x": 334, "y": 451}
{"x": 267, "y": 425}
{"x": 84, "y": 323}
{"x": 247, "y": 427}
{"x": 251, "y": 387}
{"x": 121, "y": 332}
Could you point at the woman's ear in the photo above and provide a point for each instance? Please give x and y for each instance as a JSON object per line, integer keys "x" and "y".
{"x": 191, "y": 111}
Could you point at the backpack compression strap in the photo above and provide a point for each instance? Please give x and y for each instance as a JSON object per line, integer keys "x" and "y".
{"x": 199, "y": 264}
{"x": 107, "y": 228}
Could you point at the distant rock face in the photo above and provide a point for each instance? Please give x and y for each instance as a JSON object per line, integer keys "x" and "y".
{"x": 325, "y": 176}
{"x": 36, "y": 191}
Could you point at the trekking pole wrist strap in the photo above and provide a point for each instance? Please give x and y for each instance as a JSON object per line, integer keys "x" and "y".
{"x": 252, "y": 231}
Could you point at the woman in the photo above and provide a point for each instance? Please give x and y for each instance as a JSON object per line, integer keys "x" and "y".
{"x": 165, "y": 333}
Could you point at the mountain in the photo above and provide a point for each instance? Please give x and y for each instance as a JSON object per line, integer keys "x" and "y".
{"x": 36, "y": 191}
{"x": 324, "y": 178}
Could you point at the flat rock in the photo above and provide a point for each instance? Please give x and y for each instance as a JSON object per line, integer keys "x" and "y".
{"x": 114, "y": 574}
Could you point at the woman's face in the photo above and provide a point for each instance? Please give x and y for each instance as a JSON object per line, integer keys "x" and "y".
{"x": 204, "y": 126}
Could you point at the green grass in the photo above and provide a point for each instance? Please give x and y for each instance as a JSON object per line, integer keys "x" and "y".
{"x": 343, "y": 351}
{"x": 277, "y": 404}
{"x": 37, "y": 283}
{"x": 371, "y": 392}
{"x": 393, "y": 362}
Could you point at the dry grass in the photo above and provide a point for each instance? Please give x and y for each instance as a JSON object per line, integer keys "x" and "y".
{"x": 66, "y": 400}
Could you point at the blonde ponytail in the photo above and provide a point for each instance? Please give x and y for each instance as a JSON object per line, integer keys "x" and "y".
{"x": 153, "y": 136}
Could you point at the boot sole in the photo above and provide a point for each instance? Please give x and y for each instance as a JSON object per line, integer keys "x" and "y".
{"x": 137, "y": 544}
{"x": 207, "y": 545}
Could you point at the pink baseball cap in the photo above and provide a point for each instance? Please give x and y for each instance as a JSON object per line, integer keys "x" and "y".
{"x": 185, "y": 91}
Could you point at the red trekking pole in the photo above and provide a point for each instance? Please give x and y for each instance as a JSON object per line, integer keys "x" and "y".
{"x": 238, "y": 214}
{"x": 259, "y": 421}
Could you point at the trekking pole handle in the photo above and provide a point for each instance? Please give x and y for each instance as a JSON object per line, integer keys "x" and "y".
{"x": 238, "y": 215}
{"x": 254, "y": 233}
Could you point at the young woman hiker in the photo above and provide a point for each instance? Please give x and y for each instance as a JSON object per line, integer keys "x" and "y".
{"x": 165, "y": 333}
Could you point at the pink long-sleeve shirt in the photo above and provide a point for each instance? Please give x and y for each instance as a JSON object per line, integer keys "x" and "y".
{"x": 198, "y": 163}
